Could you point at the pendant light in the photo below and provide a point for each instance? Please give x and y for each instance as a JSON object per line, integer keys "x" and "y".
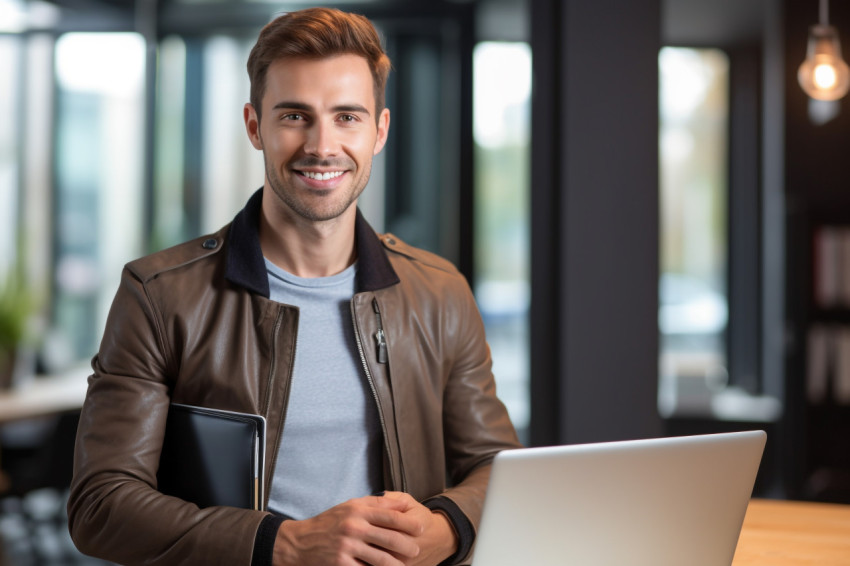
{"x": 824, "y": 75}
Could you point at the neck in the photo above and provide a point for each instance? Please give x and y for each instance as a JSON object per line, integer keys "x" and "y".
{"x": 303, "y": 247}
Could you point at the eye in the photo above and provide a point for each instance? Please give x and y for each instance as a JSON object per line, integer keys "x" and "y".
{"x": 292, "y": 117}
{"x": 347, "y": 118}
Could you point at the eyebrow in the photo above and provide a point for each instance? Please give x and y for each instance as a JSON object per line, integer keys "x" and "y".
{"x": 291, "y": 105}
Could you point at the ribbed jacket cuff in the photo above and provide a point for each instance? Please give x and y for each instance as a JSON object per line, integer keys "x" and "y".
{"x": 462, "y": 526}
{"x": 264, "y": 541}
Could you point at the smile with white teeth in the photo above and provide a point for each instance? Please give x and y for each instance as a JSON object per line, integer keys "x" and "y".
{"x": 322, "y": 176}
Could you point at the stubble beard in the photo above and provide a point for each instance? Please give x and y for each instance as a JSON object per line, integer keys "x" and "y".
{"x": 331, "y": 209}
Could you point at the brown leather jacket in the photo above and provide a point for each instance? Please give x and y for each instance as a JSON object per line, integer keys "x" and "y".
{"x": 194, "y": 324}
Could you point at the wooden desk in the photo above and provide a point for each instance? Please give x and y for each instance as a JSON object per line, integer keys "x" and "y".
{"x": 786, "y": 533}
{"x": 45, "y": 395}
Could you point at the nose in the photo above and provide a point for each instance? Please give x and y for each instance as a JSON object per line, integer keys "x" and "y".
{"x": 321, "y": 140}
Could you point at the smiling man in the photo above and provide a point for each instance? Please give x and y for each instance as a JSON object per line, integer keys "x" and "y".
{"x": 366, "y": 356}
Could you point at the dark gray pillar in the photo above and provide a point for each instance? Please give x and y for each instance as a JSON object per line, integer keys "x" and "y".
{"x": 595, "y": 220}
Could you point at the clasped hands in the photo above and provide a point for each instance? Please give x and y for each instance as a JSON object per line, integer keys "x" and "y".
{"x": 387, "y": 530}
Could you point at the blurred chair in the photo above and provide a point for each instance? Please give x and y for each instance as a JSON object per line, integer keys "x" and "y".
{"x": 36, "y": 457}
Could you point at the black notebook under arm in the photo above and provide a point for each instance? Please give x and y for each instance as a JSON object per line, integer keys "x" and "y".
{"x": 213, "y": 457}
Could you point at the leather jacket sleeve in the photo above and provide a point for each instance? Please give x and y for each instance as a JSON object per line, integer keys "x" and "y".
{"x": 114, "y": 510}
{"x": 476, "y": 424}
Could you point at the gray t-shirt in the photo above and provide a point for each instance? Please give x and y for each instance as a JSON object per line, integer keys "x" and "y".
{"x": 331, "y": 447}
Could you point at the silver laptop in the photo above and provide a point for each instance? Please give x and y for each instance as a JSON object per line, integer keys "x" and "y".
{"x": 662, "y": 502}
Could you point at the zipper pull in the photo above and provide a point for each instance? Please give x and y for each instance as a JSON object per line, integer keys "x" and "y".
{"x": 382, "y": 346}
{"x": 380, "y": 337}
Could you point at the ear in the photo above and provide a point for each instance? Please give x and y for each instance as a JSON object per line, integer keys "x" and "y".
{"x": 383, "y": 131}
{"x": 252, "y": 125}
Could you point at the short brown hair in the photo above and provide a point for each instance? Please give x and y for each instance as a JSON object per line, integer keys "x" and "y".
{"x": 317, "y": 33}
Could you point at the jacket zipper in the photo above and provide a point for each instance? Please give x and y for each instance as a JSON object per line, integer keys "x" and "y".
{"x": 380, "y": 339}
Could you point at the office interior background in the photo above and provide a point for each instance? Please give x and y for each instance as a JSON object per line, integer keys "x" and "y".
{"x": 649, "y": 209}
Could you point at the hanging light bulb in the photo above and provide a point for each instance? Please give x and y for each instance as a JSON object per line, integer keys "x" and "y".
{"x": 824, "y": 75}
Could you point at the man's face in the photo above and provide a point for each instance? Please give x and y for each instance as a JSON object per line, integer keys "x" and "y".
{"x": 318, "y": 133}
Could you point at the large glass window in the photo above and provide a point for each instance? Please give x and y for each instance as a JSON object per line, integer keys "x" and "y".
{"x": 502, "y": 108}
{"x": 9, "y": 171}
{"x": 169, "y": 214}
{"x": 694, "y": 117}
{"x": 98, "y": 191}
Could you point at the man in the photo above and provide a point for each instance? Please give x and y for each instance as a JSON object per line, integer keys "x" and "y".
{"x": 366, "y": 356}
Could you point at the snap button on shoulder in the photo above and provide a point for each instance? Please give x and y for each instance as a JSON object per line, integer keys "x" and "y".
{"x": 210, "y": 244}
{"x": 390, "y": 241}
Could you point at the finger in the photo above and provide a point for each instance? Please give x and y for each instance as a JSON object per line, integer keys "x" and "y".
{"x": 390, "y": 500}
{"x": 395, "y": 520}
{"x": 374, "y": 556}
{"x": 398, "y": 501}
{"x": 392, "y": 541}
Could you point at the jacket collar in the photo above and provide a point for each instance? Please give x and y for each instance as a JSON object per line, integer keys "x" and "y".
{"x": 246, "y": 267}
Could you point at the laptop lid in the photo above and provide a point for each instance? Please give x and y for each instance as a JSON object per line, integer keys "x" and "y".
{"x": 658, "y": 502}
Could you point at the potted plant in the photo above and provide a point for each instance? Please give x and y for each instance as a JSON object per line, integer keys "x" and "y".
{"x": 16, "y": 307}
